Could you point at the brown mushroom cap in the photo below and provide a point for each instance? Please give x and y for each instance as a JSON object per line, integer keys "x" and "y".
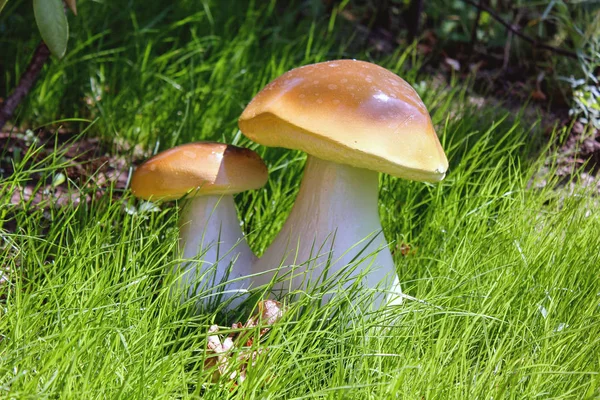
{"x": 350, "y": 112}
{"x": 198, "y": 169}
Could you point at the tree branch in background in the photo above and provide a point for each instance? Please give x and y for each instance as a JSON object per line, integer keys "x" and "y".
{"x": 509, "y": 38}
{"x": 28, "y": 79}
{"x": 413, "y": 20}
{"x": 474, "y": 28}
{"x": 517, "y": 32}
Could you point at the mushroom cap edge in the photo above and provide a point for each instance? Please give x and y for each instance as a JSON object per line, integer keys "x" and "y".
{"x": 199, "y": 169}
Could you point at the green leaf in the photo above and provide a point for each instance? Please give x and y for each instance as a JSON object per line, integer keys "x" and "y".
{"x": 2, "y": 4}
{"x": 52, "y": 23}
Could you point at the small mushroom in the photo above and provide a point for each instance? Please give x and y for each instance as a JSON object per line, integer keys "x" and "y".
{"x": 354, "y": 119}
{"x": 207, "y": 174}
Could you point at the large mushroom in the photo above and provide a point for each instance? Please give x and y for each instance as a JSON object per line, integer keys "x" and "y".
{"x": 354, "y": 119}
{"x": 207, "y": 174}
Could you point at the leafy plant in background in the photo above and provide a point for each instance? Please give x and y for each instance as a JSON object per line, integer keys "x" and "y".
{"x": 586, "y": 101}
{"x": 567, "y": 30}
{"x": 586, "y": 87}
{"x": 54, "y": 28}
{"x": 52, "y": 23}
{"x": 575, "y": 26}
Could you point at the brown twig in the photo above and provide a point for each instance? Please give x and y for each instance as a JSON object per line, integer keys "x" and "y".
{"x": 414, "y": 18}
{"x": 29, "y": 77}
{"x": 517, "y": 31}
{"x": 474, "y": 28}
{"x": 508, "y": 44}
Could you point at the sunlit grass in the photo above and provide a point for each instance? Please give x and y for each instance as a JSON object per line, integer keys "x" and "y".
{"x": 504, "y": 275}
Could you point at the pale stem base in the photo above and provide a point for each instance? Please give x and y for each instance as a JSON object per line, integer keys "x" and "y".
{"x": 334, "y": 221}
{"x": 210, "y": 233}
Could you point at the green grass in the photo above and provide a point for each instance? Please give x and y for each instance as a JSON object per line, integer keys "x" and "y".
{"x": 505, "y": 274}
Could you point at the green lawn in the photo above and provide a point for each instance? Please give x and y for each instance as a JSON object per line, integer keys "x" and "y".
{"x": 504, "y": 271}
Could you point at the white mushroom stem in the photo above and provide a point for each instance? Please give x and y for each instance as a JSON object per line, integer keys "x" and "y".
{"x": 335, "y": 217}
{"x": 210, "y": 234}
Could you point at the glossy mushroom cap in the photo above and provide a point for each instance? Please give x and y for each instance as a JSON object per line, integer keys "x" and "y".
{"x": 198, "y": 169}
{"x": 349, "y": 112}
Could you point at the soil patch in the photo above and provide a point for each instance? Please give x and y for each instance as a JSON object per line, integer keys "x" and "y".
{"x": 54, "y": 168}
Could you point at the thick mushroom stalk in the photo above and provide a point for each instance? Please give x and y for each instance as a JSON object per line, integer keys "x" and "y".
{"x": 210, "y": 231}
{"x": 208, "y": 174}
{"x": 334, "y": 223}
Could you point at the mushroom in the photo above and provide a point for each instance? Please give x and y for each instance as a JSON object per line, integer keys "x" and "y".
{"x": 354, "y": 119}
{"x": 207, "y": 174}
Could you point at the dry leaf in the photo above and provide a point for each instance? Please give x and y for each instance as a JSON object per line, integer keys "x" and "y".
{"x": 220, "y": 351}
{"x": 538, "y": 95}
{"x": 270, "y": 311}
{"x": 72, "y": 5}
{"x": 406, "y": 250}
{"x": 452, "y": 63}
